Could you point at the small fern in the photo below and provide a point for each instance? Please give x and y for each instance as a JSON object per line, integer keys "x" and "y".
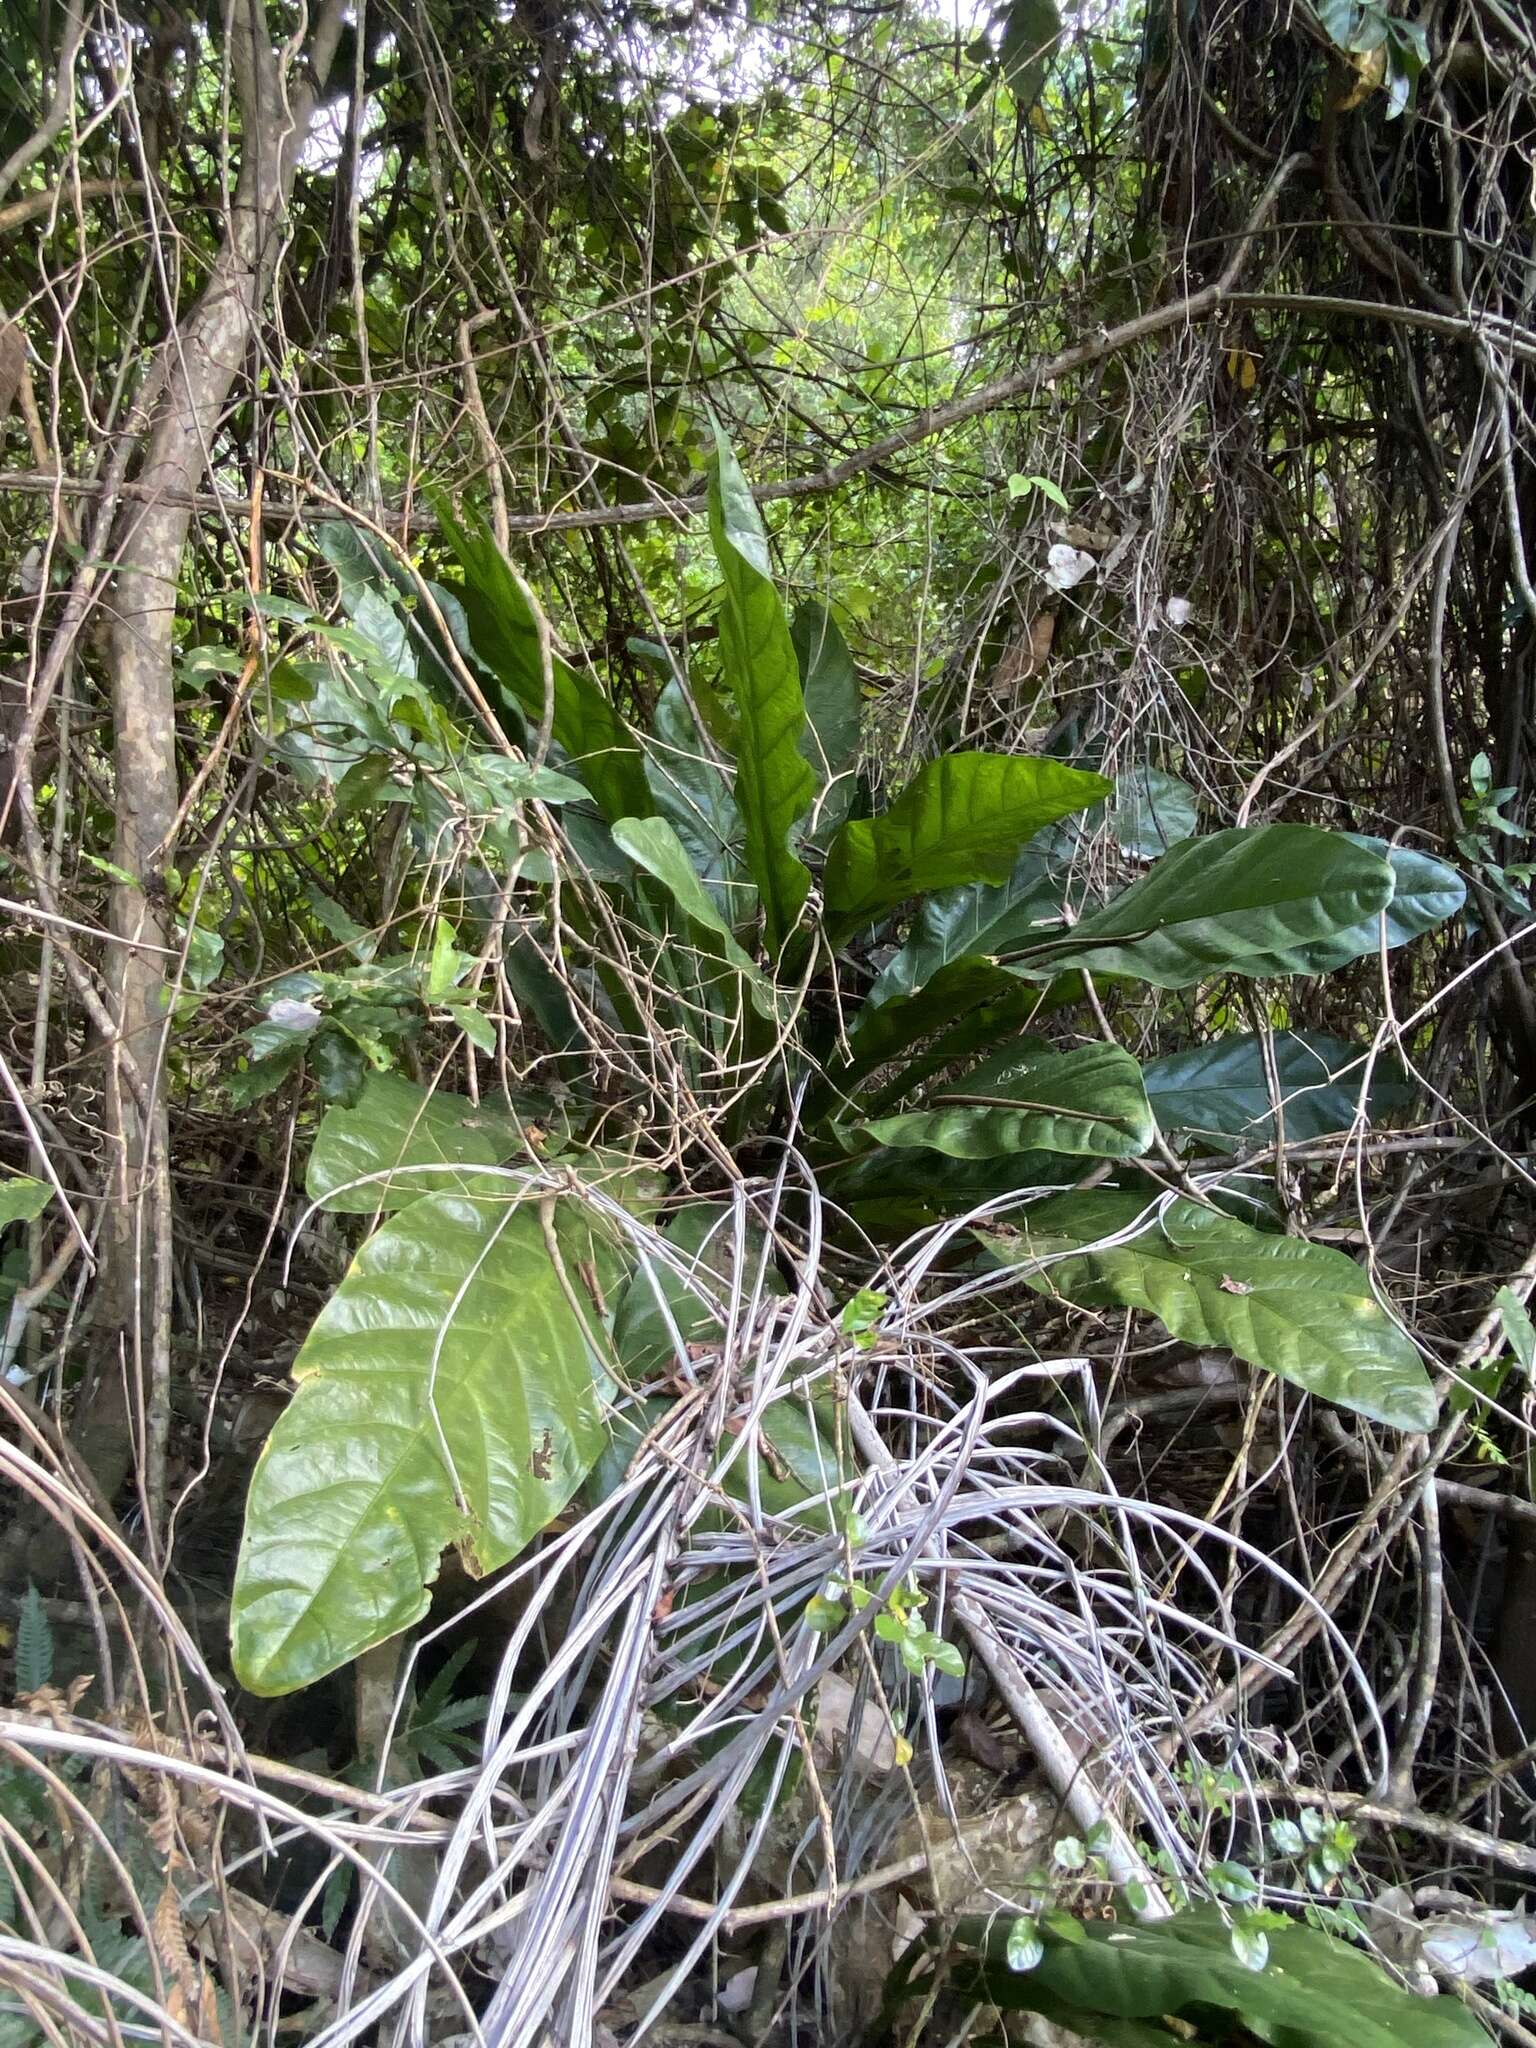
{"x": 34, "y": 1644}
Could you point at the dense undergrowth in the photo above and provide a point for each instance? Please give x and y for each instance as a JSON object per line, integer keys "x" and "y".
{"x": 768, "y": 1221}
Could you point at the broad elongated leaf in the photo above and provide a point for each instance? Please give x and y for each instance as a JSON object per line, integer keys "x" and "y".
{"x": 775, "y": 784}
{"x": 978, "y": 919}
{"x": 1088, "y": 1102}
{"x": 504, "y": 629}
{"x": 446, "y": 1394}
{"x": 654, "y": 846}
{"x": 1314, "y": 1992}
{"x": 1222, "y": 1089}
{"x": 962, "y": 818}
{"x": 833, "y": 712}
{"x": 1249, "y": 901}
{"x": 690, "y": 791}
{"x": 1425, "y": 893}
{"x": 1301, "y": 1310}
{"x": 406, "y": 1134}
{"x": 22, "y": 1199}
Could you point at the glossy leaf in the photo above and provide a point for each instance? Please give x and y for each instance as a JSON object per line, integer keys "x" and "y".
{"x": 1301, "y": 1310}
{"x": 1314, "y": 1992}
{"x": 1250, "y": 901}
{"x": 397, "y": 1126}
{"x": 1088, "y": 1102}
{"x": 963, "y": 818}
{"x": 503, "y": 626}
{"x": 653, "y": 845}
{"x": 775, "y": 784}
{"x": 445, "y": 1394}
{"x": 1425, "y": 893}
{"x": 833, "y": 711}
{"x": 1222, "y": 1090}
{"x": 979, "y": 919}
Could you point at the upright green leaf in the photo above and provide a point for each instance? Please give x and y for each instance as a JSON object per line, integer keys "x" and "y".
{"x": 978, "y": 919}
{"x": 1222, "y": 1089}
{"x": 1249, "y": 901}
{"x": 1301, "y": 1310}
{"x": 1088, "y": 1102}
{"x": 962, "y": 818}
{"x": 691, "y": 792}
{"x": 446, "y": 1394}
{"x": 833, "y": 711}
{"x": 406, "y": 1134}
{"x": 653, "y": 845}
{"x": 34, "y": 1643}
{"x": 775, "y": 783}
{"x": 504, "y": 628}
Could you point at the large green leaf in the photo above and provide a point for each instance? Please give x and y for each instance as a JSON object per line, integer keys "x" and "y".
{"x": 452, "y": 1338}
{"x": 505, "y": 631}
{"x": 1249, "y": 901}
{"x": 833, "y": 711}
{"x": 1425, "y": 893}
{"x": 979, "y": 919}
{"x": 22, "y": 1199}
{"x": 1222, "y": 1089}
{"x": 962, "y": 818}
{"x": 1087, "y": 1102}
{"x": 653, "y": 845}
{"x": 1314, "y": 1991}
{"x": 775, "y": 784}
{"x": 397, "y": 1126}
{"x": 690, "y": 791}
{"x": 1300, "y": 1310}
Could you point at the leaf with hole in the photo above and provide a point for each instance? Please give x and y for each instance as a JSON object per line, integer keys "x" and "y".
{"x": 1300, "y": 1310}
{"x": 445, "y": 1394}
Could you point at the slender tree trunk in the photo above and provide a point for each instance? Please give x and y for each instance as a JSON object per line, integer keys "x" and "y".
{"x": 203, "y": 357}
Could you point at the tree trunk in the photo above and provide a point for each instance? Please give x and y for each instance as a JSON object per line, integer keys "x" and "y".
{"x": 203, "y": 356}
